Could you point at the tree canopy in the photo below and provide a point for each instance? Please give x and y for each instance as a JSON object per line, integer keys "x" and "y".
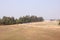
{"x": 25, "y": 19}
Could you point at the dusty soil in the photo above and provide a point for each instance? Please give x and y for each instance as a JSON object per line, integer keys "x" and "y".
{"x": 31, "y": 31}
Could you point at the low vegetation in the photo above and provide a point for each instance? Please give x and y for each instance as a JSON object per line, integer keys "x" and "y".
{"x": 59, "y": 22}
{"x": 25, "y": 19}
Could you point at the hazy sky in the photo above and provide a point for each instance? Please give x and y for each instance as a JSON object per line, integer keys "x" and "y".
{"x": 45, "y": 8}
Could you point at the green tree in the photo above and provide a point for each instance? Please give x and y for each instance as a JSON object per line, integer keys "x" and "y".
{"x": 8, "y": 20}
{"x": 17, "y": 21}
{"x": 0, "y": 21}
{"x": 40, "y": 19}
{"x": 33, "y": 18}
{"x": 24, "y": 19}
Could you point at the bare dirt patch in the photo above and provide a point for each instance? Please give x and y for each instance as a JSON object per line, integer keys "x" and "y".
{"x": 31, "y": 31}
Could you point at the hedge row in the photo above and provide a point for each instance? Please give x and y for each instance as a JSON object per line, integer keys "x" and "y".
{"x": 25, "y": 19}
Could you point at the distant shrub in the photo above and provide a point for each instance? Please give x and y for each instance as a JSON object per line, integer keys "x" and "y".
{"x": 25, "y": 19}
{"x": 0, "y": 21}
{"x": 8, "y": 20}
{"x": 52, "y": 19}
{"x": 59, "y": 23}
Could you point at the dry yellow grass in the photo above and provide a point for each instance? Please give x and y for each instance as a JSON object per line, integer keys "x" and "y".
{"x": 48, "y": 30}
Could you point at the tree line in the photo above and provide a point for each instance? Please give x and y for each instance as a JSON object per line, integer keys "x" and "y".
{"x": 25, "y": 19}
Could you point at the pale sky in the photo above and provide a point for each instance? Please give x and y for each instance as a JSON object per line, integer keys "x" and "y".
{"x": 46, "y": 8}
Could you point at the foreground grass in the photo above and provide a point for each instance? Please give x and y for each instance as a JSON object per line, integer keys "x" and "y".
{"x": 31, "y": 31}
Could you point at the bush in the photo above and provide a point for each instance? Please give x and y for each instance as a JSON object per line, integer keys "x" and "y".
{"x": 0, "y": 21}
{"x": 25, "y": 19}
{"x": 59, "y": 22}
{"x": 8, "y": 20}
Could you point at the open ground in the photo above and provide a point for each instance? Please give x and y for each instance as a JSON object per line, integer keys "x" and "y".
{"x": 47, "y": 30}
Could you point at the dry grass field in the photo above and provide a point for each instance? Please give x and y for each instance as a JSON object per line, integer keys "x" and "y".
{"x": 48, "y": 30}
